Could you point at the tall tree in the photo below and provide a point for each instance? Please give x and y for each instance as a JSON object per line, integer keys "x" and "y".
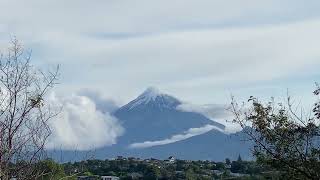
{"x": 239, "y": 158}
{"x": 228, "y": 162}
{"x": 24, "y": 113}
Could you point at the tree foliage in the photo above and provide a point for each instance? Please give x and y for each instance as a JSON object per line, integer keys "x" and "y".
{"x": 284, "y": 139}
{"x": 50, "y": 170}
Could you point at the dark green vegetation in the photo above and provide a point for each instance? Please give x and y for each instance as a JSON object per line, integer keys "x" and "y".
{"x": 134, "y": 168}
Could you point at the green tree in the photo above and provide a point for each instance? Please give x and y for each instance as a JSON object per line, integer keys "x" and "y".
{"x": 228, "y": 162}
{"x": 50, "y": 169}
{"x": 284, "y": 139}
{"x": 190, "y": 175}
{"x": 237, "y": 167}
{"x": 152, "y": 172}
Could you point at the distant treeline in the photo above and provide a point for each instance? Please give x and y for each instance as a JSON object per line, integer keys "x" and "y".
{"x": 135, "y": 168}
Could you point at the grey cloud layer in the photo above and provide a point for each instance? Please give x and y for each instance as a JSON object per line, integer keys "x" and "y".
{"x": 125, "y": 16}
{"x": 121, "y": 47}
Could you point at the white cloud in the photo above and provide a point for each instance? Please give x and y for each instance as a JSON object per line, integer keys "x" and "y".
{"x": 80, "y": 125}
{"x": 125, "y": 46}
{"x": 178, "y": 137}
{"x": 215, "y": 112}
{"x": 189, "y": 62}
{"x": 103, "y": 104}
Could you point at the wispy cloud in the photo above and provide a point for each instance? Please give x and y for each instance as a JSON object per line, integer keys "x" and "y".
{"x": 175, "y": 138}
{"x": 215, "y": 112}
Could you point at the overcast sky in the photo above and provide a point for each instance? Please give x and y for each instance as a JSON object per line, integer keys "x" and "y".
{"x": 201, "y": 51}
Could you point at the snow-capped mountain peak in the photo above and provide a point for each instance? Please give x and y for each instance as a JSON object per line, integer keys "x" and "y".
{"x": 154, "y": 98}
{"x": 149, "y": 94}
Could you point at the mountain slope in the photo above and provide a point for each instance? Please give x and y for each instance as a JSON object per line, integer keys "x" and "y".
{"x": 212, "y": 145}
{"x": 153, "y": 115}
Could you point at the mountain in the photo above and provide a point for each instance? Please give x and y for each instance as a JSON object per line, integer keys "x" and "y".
{"x": 153, "y": 115}
{"x": 153, "y": 121}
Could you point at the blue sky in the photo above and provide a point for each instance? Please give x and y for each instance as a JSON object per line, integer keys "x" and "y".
{"x": 200, "y": 51}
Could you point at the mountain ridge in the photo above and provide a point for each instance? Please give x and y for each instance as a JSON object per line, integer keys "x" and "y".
{"x": 157, "y": 113}
{"x": 153, "y": 117}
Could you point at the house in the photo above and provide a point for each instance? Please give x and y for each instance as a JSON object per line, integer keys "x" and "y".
{"x": 121, "y": 158}
{"x": 132, "y": 159}
{"x": 227, "y": 166}
{"x": 109, "y": 178}
{"x": 172, "y": 159}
